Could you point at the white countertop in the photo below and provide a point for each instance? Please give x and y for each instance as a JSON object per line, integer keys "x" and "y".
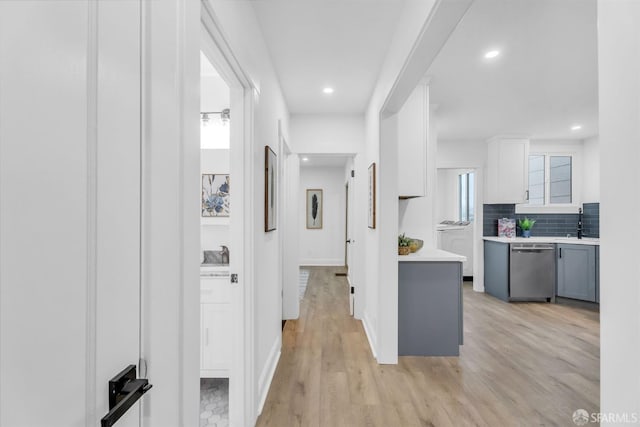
{"x": 429, "y": 254}
{"x": 567, "y": 240}
{"x": 214, "y": 270}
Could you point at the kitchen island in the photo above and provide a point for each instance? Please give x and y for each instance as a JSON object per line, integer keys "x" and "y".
{"x": 430, "y": 303}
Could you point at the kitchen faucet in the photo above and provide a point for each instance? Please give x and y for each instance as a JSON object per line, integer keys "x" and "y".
{"x": 580, "y": 229}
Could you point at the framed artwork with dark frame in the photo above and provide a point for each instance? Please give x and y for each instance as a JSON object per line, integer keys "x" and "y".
{"x": 315, "y": 206}
{"x": 372, "y": 196}
{"x": 270, "y": 189}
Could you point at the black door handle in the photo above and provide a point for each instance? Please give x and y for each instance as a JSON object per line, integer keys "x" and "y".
{"x": 124, "y": 390}
{"x": 348, "y": 240}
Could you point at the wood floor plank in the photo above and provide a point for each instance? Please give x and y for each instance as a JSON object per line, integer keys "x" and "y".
{"x": 522, "y": 364}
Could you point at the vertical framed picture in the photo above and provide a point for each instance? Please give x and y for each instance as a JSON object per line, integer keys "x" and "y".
{"x": 315, "y": 205}
{"x": 270, "y": 189}
{"x": 215, "y": 195}
{"x": 372, "y": 196}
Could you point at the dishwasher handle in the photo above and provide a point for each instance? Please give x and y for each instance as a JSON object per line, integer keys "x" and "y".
{"x": 533, "y": 249}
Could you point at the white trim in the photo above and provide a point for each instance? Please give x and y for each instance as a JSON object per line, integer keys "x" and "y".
{"x": 214, "y": 373}
{"x": 366, "y": 324}
{"x": 268, "y": 372}
{"x": 92, "y": 216}
{"x": 322, "y": 262}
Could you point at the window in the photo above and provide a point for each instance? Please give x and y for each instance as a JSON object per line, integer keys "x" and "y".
{"x": 466, "y": 203}
{"x": 550, "y": 179}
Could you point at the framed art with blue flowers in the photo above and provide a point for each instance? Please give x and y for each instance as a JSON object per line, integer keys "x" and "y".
{"x": 215, "y": 195}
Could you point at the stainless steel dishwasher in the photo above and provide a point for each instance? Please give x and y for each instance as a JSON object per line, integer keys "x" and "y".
{"x": 532, "y": 271}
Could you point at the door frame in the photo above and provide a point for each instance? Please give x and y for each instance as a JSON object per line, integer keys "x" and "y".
{"x": 346, "y": 228}
{"x": 242, "y": 386}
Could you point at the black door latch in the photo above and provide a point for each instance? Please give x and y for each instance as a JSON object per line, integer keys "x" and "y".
{"x": 124, "y": 390}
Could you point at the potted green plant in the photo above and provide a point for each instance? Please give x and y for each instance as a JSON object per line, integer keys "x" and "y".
{"x": 403, "y": 245}
{"x": 526, "y": 225}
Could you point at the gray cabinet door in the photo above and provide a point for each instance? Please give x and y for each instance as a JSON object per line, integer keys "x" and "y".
{"x": 496, "y": 269}
{"x": 577, "y": 272}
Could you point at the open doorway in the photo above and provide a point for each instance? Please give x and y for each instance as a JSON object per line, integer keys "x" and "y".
{"x": 215, "y": 244}
{"x": 324, "y": 195}
{"x": 456, "y": 216}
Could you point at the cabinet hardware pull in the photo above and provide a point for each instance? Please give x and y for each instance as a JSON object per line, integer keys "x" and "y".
{"x": 560, "y": 250}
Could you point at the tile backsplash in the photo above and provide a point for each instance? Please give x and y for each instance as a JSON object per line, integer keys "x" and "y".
{"x": 591, "y": 219}
{"x": 546, "y": 224}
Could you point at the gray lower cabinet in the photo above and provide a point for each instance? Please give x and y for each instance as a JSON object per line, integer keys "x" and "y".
{"x": 576, "y": 272}
{"x": 496, "y": 269}
{"x": 429, "y": 308}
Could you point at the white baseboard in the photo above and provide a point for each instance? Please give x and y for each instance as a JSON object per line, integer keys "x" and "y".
{"x": 370, "y": 336}
{"x": 267, "y": 374}
{"x": 322, "y": 262}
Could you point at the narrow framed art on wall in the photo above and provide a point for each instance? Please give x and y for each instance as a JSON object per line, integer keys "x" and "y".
{"x": 315, "y": 206}
{"x": 371, "y": 209}
{"x": 270, "y": 189}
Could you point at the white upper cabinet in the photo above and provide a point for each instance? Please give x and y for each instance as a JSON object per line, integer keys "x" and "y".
{"x": 413, "y": 130}
{"x": 507, "y": 170}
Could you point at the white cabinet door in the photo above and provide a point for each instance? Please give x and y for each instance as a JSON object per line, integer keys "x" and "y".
{"x": 215, "y": 317}
{"x": 413, "y": 125}
{"x": 507, "y": 171}
{"x": 216, "y": 335}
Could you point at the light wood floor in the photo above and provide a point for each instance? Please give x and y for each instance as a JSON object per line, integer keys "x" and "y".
{"x": 525, "y": 364}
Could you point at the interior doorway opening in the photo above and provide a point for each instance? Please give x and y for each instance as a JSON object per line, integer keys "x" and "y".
{"x": 325, "y": 216}
{"x": 215, "y": 245}
{"x": 456, "y": 215}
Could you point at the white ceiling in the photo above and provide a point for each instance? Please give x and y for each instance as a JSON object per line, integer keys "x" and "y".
{"x": 325, "y": 161}
{"x": 337, "y": 43}
{"x": 544, "y": 81}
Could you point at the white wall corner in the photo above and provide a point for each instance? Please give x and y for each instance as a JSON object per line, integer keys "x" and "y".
{"x": 371, "y": 337}
{"x": 267, "y": 373}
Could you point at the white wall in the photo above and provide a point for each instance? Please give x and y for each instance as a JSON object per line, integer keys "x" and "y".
{"x": 290, "y": 266}
{"x": 591, "y": 170}
{"x": 243, "y": 33}
{"x": 325, "y": 246}
{"x": 413, "y": 47}
{"x": 456, "y": 154}
{"x": 378, "y": 323}
{"x": 619, "y": 117}
{"x": 325, "y": 133}
{"x": 214, "y": 232}
{"x": 447, "y": 195}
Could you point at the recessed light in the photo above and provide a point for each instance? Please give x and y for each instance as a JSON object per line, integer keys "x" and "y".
{"x": 305, "y": 159}
{"x": 492, "y": 54}
{"x": 576, "y": 127}
{"x": 328, "y": 90}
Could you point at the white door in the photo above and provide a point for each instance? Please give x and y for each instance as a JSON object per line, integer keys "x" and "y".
{"x": 69, "y": 208}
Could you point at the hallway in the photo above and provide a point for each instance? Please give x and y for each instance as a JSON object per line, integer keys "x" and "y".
{"x": 522, "y": 364}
